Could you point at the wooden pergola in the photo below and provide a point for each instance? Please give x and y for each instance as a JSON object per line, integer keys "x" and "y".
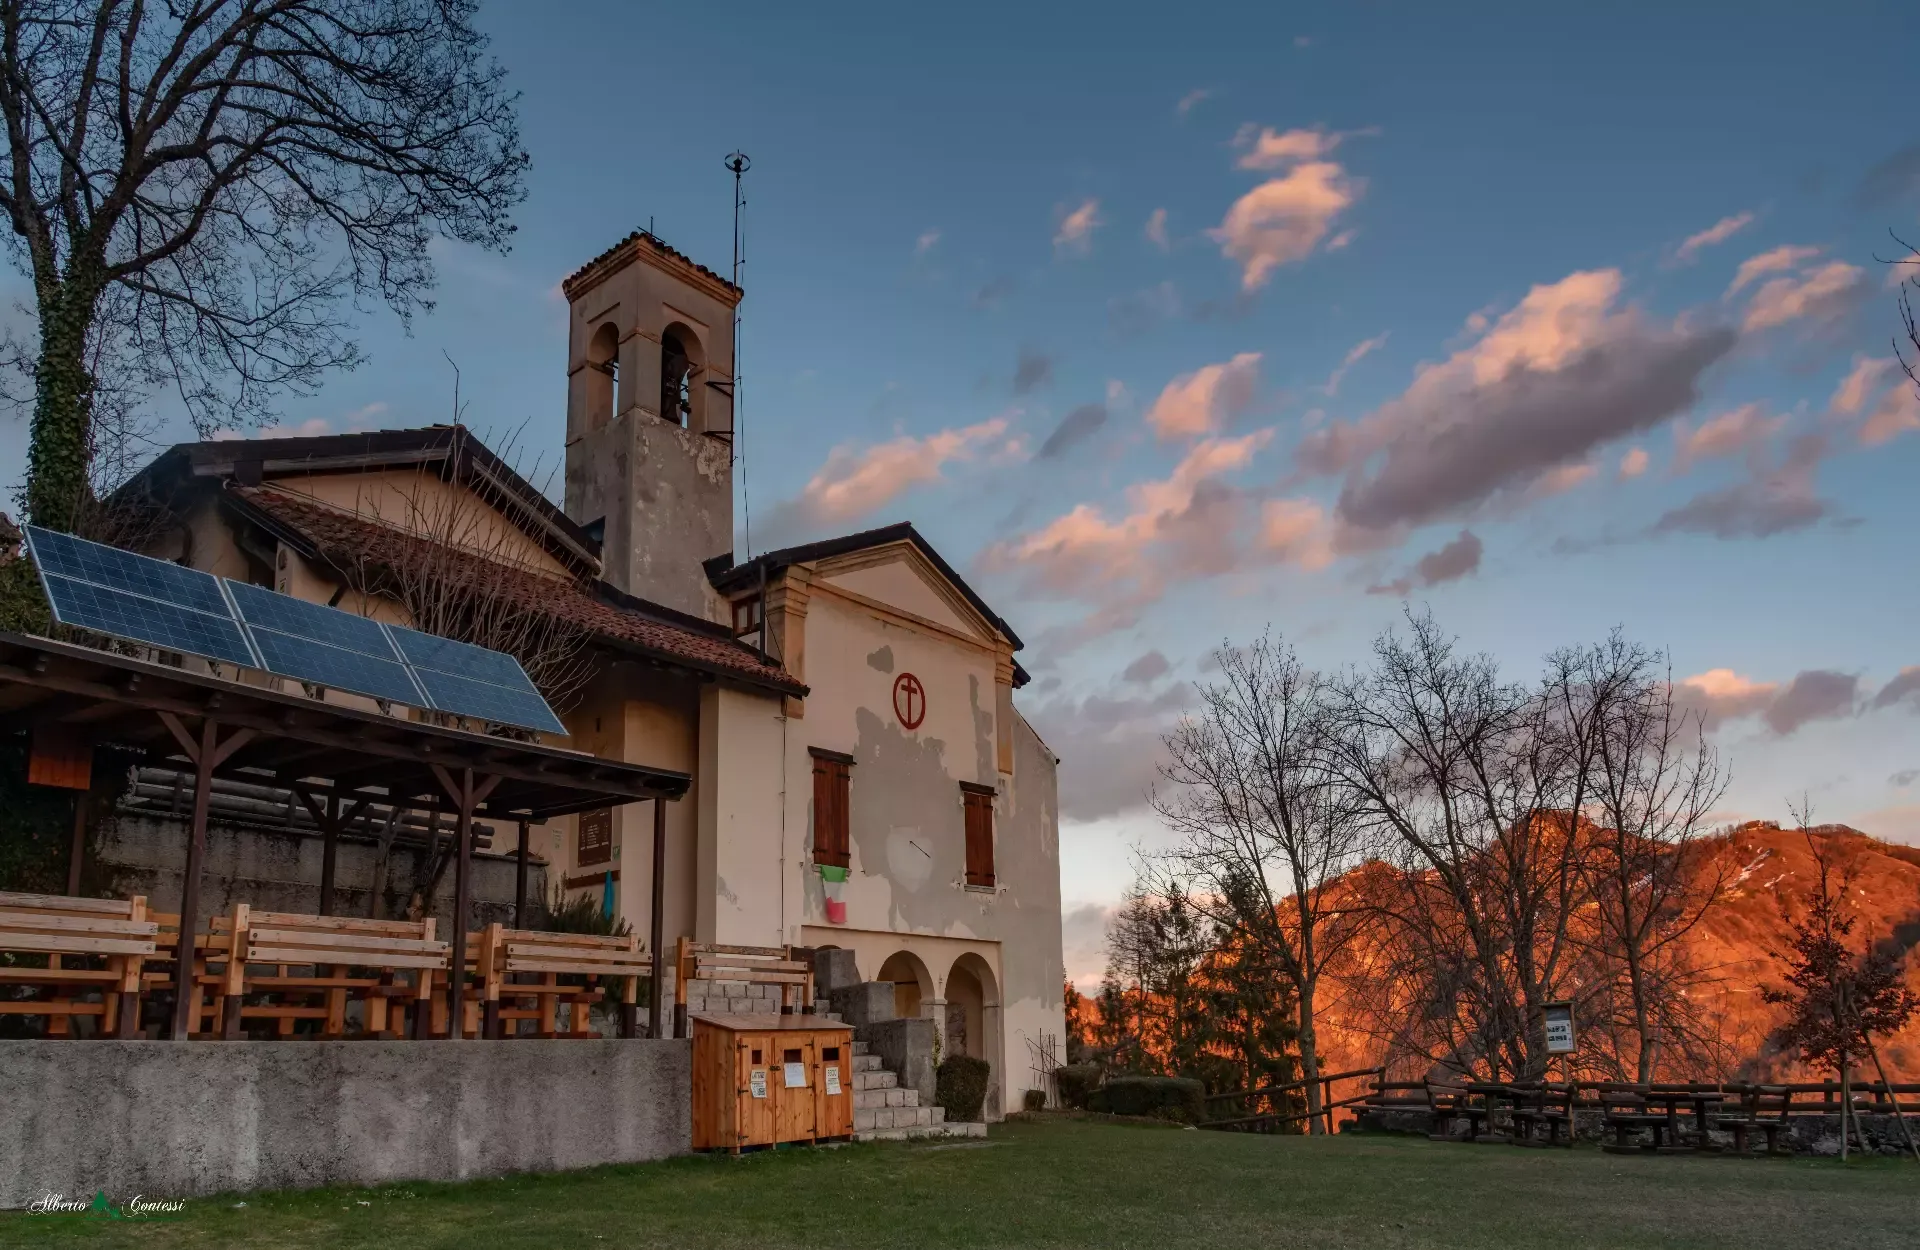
{"x": 336, "y": 758}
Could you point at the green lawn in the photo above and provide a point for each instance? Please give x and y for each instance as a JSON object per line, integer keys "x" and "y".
{"x": 1084, "y": 1184}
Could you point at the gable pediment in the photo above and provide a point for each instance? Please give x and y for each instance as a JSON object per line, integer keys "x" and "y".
{"x": 899, "y": 577}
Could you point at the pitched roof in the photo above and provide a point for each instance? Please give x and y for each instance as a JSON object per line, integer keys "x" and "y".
{"x": 343, "y": 541}
{"x": 460, "y": 457}
{"x": 728, "y": 577}
{"x": 592, "y": 269}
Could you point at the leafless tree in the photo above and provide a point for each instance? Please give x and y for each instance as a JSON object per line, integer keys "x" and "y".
{"x": 1650, "y": 873}
{"x": 1474, "y": 779}
{"x": 458, "y": 568}
{"x": 199, "y": 191}
{"x": 1264, "y": 830}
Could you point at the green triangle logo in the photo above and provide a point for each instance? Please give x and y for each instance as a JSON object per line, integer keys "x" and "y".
{"x": 102, "y": 1207}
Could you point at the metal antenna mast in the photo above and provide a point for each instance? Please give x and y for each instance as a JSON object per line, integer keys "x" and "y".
{"x": 738, "y": 164}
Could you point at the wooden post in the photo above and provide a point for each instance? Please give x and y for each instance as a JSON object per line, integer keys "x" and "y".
{"x": 1899, "y": 1116}
{"x": 329, "y": 850}
{"x": 520, "y": 880}
{"x": 78, "y": 854}
{"x": 656, "y": 1006}
{"x": 207, "y": 753}
{"x": 463, "y": 856}
{"x": 466, "y": 794}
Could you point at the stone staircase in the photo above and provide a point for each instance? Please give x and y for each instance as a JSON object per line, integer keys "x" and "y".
{"x": 883, "y": 1111}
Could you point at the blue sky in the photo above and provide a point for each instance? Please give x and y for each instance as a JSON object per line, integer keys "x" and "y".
{"x": 1324, "y": 293}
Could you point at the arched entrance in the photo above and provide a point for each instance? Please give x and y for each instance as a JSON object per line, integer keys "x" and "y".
{"x": 971, "y": 1023}
{"x": 911, "y": 982}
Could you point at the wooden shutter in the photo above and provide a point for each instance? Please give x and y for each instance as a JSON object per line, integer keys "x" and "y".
{"x": 830, "y": 786}
{"x": 979, "y": 807}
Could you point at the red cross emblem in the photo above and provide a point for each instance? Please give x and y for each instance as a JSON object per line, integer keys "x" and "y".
{"x": 909, "y": 700}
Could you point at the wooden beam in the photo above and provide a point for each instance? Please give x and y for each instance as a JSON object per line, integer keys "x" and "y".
{"x": 657, "y": 921}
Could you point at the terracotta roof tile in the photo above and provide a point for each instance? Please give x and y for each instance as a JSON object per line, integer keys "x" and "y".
{"x": 342, "y": 540}
{"x": 659, "y": 245}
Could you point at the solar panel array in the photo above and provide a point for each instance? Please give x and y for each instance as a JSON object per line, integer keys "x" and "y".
{"x": 116, "y": 592}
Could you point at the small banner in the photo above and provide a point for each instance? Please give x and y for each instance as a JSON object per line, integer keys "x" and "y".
{"x": 834, "y": 882}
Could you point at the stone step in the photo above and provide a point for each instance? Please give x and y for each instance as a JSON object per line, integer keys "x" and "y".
{"x": 866, "y": 1119}
{"x": 875, "y": 1078}
{"x": 860, "y": 1049}
{"x": 862, "y": 1061}
{"x": 865, "y": 1099}
{"x": 921, "y": 1131}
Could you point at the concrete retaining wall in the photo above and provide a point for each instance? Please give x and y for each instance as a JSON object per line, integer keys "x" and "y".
{"x": 171, "y": 1119}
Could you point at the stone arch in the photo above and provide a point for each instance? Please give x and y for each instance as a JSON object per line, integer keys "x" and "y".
{"x": 972, "y": 1020}
{"x": 912, "y": 983}
{"x": 603, "y": 375}
{"x": 683, "y": 362}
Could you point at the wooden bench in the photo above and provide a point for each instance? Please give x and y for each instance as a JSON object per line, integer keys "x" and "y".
{"x": 1449, "y": 1103}
{"x": 1625, "y": 1112}
{"x": 1542, "y": 1105}
{"x": 209, "y": 967}
{"x": 1764, "y": 1109}
{"x": 91, "y": 945}
{"x": 749, "y": 965}
{"x": 343, "y": 958}
{"x": 498, "y": 954}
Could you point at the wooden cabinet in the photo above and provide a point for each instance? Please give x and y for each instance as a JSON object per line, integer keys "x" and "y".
{"x": 759, "y": 1080}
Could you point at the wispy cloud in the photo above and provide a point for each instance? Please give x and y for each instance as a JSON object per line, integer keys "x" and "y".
{"x": 926, "y": 242}
{"x": 1774, "y": 260}
{"x": 1075, "y": 231}
{"x": 1822, "y": 295}
{"x": 855, "y": 481}
{"x": 1719, "y": 232}
{"x": 1201, "y": 402}
{"x": 1457, "y": 559}
{"x": 1192, "y": 100}
{"x": 1635, "y": 462}
{"x": 1358, "y": 352}
{"x": 1894, "y": 411}
{"x": 1157, "y": 229}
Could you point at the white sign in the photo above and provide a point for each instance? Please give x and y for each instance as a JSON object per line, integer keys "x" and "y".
{"x": 758, "y": 1082}
{"x": 796, "y": 1076}
{"x": 1559, "y": 1021}
{"x": 833, "y": 1079}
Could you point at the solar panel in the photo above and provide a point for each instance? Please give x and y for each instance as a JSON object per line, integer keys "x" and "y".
{"x": 284, "y": 614}
{"x": 462, "y": 659}
{"x": 115, "y": 569}
{"x": 167, "y": 625}
{"x": 338, "y": 667}
{"x": 485, "y": 701}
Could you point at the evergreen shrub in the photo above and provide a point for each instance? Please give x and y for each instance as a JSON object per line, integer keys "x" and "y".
{"x": 960, "y": 1085}
{"x": 1164, "y": 1097}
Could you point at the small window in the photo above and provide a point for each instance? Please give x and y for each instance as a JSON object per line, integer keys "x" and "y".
{"x": 746, "y": 616}
{"x": 830, "y": 1054}
{"x": 831, "y": 783}
{"x": 791, "y": 1056}
{"x": 756, "y": 1058}
{"x": 978, "y": 801}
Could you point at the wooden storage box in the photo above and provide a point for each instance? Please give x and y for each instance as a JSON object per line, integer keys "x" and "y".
{"x": 759, "y": 1080}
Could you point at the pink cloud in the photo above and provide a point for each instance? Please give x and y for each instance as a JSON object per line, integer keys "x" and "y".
{"x": 1881, "y": 390}
{"x": 1268, "y": 149}
{"x": 1822, "y": 294}
{"x": 1284, "y": 219}
{"x": 855, "y": 482}
{"x": 1635, "y": 462}
{"x": 1719, "y": 232}
{"x": 1075, "y": 232}
{"x": 1355, "y": 354}
{"x": 1198, "y": 403}
{"x": 1777, "y": 260}
{"x": 1738, "y": 430}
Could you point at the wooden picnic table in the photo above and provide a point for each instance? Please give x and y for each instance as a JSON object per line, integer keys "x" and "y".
{"x": 1701, "y": 1100}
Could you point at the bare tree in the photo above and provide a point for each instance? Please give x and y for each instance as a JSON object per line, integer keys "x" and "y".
{"x": 456, "y": 564}
{"x": 1476, "y": 780}
{"x": 1650, "y": 871}
{"x": 1264, "y": 831}
{"x": 198, "y": 191}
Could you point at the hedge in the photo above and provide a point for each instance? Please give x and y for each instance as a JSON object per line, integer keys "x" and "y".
{"x": 960, "y": 1085}
{"x": 1076, "y": 1081}
{"x": 1165, "y": 1097}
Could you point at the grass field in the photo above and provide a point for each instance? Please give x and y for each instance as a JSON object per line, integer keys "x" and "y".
{"x": 1083, "y": 1184}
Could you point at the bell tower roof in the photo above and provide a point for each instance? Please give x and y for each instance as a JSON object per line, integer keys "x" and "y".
{"x": 664, "y": 256}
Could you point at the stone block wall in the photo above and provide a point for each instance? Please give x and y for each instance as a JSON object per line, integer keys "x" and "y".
{"x": 185, "y": 1119}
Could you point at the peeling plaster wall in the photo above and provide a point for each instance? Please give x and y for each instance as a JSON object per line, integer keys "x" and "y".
{"x": 740, "y": 820}
{"x": 906, "y": 889}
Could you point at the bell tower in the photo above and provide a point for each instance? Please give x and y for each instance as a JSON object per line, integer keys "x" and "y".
{"x": 650, "y": 418}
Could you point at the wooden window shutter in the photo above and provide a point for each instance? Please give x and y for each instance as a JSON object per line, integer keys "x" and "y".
{"x": 831, "y": 778}
{"x": 979, "y": 807}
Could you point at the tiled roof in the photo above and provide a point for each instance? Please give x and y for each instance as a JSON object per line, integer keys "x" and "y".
{"x": 659, "y": 245}
{"x": 342, "y": 540}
